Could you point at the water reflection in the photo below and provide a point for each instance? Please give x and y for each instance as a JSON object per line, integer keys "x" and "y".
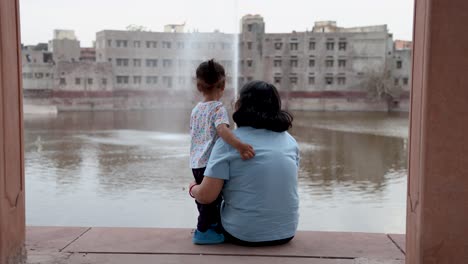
{"x": 131, "y": 169}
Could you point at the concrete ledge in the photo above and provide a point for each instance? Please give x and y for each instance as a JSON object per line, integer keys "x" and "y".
{"x": 172, "y": 245}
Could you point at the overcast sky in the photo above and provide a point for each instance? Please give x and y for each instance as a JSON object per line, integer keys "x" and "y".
{"x": 40, "y": 17}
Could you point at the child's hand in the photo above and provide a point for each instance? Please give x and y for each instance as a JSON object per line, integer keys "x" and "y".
{"x": 246, "y": 151}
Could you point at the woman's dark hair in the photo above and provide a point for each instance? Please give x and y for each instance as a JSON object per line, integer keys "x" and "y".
{"x": 210, "y": 75}
{"x": 259, "y": 106}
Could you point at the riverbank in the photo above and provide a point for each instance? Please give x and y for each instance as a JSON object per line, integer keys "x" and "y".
{"x": 170, "y": 245}
{"x": 324, "y": 101}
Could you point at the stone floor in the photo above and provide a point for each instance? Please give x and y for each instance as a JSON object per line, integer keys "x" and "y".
{"x": 86, "y": 245}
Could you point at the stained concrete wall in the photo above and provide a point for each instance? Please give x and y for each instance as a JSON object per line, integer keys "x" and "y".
{"x": 176, "y": 56}
{"x": 12, "y": 197}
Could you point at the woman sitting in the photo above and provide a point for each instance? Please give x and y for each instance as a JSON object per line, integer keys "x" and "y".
{"x": 260, "y": 199}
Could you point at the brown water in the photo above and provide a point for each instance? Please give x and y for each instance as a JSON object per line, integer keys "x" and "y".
{"x": 131, "y": 169}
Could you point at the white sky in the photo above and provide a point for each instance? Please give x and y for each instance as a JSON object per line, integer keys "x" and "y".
{"x": 40, "y": 17}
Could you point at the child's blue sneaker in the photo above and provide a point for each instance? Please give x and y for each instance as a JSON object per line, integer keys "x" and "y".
{"x": 210, "y": 237}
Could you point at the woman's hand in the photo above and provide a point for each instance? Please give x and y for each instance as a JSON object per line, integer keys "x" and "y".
{"x": 192, "y": 184}
{"x": 207, "y": 191}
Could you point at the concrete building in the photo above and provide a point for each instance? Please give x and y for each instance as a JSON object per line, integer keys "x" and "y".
{"x": 328, "y": 58}
{"x": 401, "y": 68}
{"x": 326, "y": 64}
{"x": 162, "y": 60}
{"x": 38, "y": 70}
{"x": 88, "y": 54}
{"x": 65, "y": 46}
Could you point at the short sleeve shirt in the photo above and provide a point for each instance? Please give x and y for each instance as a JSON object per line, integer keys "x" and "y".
{"x": 205, "y": 117}
{"x": 260, "y": 195}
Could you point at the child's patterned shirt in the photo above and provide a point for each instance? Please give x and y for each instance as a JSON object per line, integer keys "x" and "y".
{"x": 205, "y": 118}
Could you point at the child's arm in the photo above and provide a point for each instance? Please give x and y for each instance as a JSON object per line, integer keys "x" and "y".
{"x": 246, "y": 151}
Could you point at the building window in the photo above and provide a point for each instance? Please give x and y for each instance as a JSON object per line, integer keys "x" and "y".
{"x": 342, "y": 46}
{"x": 240, "y": 80}
{"x": 312, "y": 45}
{"x": 90, "y": 81}
{"x": 151, "y": 79}
{"x": 311, "y": 80}
{"x": 166, "y": 45}
{"x": 399, "y": 64}
{"x": 341, "y": 80}
{"x": 151, "y": 63}
{"x": 121, "y": 43}
{"x": 109, "y": 43}
{"x": 167, "y": 80}
{"x": 182, "y": 63}
{"x": 397, "y": 81}
{"x": 293, "y": 62}
{"x": 249, "y": 63}
{"x": 104, "y": 81}
{"x": 39, "y": 75}
{"x": 151, "y": 44}
{"x": 136, "y": 79}
{"x": 167, "y": 63}
{"x": 196, "y": 45}
{"x": 341, "y": 63}
{"x": 211, "y": 45}
{"x": 329, "y": 63}
{"x": 122, "y": 79}
{"x": 181, "y": 80}
{"x": 249, "y": 45}
{"x": 77, "y": 81}
{"x": 63, "y": 81}
{"x": 277, "y": 62}
{"x": 249, "y": 27}
{"x": 329, "y": 80}
{"x": 294, "y": 46}
{"x": 180, "y": 45}
{"x": 137, "y": 62}
{"x": 226, "y": 63}
{"x": 109, "y": 60}
{"x": 277, "y": 80}
{"x": 122, "y": 62}
{"x": 249, "y": 79}
{"x": 136, "y": 44}
{"x": 293, "y": 80}
{"x": 278, "y": 45}
{"x": 311, "y": 63}
{"x": 330, "y": 45}
{"x": 405, "y": 81}
{"x": 225, "y": 45}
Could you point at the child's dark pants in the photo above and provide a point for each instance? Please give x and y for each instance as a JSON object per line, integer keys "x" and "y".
{"x": 208, "y": 213}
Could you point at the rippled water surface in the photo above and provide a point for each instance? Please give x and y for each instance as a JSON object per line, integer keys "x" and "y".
{"x": 131, "y": 169}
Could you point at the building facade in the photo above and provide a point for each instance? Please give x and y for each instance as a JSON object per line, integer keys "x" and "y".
{"x": 327, "y": 58}
{"x": 325, "y": 62}
{"x": 162, "y": 61}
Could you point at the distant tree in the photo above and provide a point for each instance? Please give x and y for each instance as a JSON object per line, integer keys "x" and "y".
{"x": 380, "y": 85}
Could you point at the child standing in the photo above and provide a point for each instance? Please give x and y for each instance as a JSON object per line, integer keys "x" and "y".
{"x": 209, "y": 121}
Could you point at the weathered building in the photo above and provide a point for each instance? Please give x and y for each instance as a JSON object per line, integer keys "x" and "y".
{"x": 162, "y": 61}
{"x": 327, "y": 58}
{"x": 324, "y": 68}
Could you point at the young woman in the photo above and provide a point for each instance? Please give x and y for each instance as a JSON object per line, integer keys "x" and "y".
{"x": 261, "y": 202}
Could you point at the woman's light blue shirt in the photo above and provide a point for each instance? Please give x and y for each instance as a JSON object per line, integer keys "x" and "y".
{"x": 260, "y": 195}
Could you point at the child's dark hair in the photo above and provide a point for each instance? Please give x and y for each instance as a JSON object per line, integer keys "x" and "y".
{"x": 210, "y": 75}
{"x": 259, "y": 106}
